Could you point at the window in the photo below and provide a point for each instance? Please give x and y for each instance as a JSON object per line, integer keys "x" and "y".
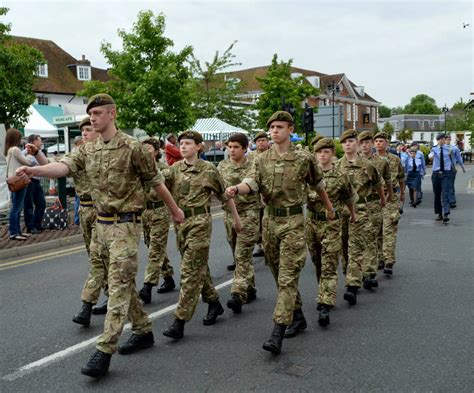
{"x": 83, "y": 73}
{"x": 422, "y": 136}
{"x": 42, "y": 100}
{"x": 43, "y": 70}
{"x": 373, "y": 118}
{"x": 348, "y": 112}
{"x": 356, "y": 113}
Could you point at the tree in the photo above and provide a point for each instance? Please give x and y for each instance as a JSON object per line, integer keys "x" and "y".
{"x": 150, "y": 84}
{"x": 388, "y": 129}
{"x": 18, "y": 73}
{"x": 384, "y": 111}
{"x": 277, "y": 84}
{"x": 398, "y": 110}
{"x": 405, "y": 135}
{"x": 422, "y": 104}
{"x": 214, "y": 94}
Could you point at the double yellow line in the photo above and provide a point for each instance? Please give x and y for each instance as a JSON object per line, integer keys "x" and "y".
{"x": 55, "y": 254}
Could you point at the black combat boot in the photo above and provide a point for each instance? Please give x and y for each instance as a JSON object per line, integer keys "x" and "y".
{"x": 388, "y": 269}
{"x": 373, "y": 278}
{"x": 167, "y": 286}
{"x": 258, "y": 252}
{"x": 98, "y": 365}
{"x": 381, "y": 265}
{"x": 215, "y": 309}
{"x": 370, "y": 282}
{"x": 351, "y": 295}
{"x": 176, "y": 330}
{"x": 84, "y": 316}
{"x": 323, "y": 318}
{"x": 251, "y": 295}
{"x": 136, "y": 342}
{"x": 145, "y": 293}
{"x": 298, "y": 325}
{"x": 235, "y": 303}
{"x": 273, "y": 345}
{"x": 231, "y": 267}
{"x": 102, "y": 309}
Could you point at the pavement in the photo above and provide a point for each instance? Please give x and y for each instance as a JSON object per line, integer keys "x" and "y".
{"x": 412, "y": 334}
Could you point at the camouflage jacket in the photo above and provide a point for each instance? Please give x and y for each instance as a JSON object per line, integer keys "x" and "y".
{"x": 396, "y": 169}
{"x": 150, "y": 193}
{"x": 233, "y": 174}
{"x": 116, "y": 171}
{"x": 282, "y": 180}
{"x": 383, "y": 167}
{"x": 193, "y": 185}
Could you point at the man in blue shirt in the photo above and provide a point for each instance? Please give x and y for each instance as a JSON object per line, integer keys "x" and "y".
{"x": 442, "y": 165}
{"x": 456, "y": 158}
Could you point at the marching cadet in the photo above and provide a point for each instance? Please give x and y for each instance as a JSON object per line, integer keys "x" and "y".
{"x": 369, "y": 268}
{"x": 419, "y": 156}
{"x": 192, "y": 182}
{"x": 233, "y": 171}
{"x": 155, "y": 223}
{"x": 323, "y": 236}
{"x": 97, "y": 277}
{"x": 387, "y": 239}
{"x": 116, "y": 166}
{"x": 365, "y": 178}
{"x": 456, "y": 158}
{"x": 280, "y": 175}
{"x": 414, "y": 170}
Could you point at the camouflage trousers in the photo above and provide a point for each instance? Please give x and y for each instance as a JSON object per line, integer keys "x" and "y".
{"x": 387, "y": 239}
{"x": 344, "y": 222}
{"x": 242, "y": 245}
{"x": 324, "y": 245}
{"x": 97, "y": 277}
{"x": 369, "y": 267}
{"x": 285, "y": 253}
{"x": 358, "y": 234}
{"x": 156, "y": 224}
{"x": 118, "y": 243}
{"x": 193, "y": 239}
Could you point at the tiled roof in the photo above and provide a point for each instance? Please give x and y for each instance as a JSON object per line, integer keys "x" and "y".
{"x": 61, "y": 78}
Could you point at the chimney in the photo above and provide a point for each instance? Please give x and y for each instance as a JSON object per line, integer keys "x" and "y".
{"x": 84, "y": 61}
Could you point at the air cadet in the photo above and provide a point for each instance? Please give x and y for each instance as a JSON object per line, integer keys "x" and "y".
{"x": 369, "y": 268}
{"x": 456, "y": 158}
{"x": 323, "y": 236}
{"x": 97, "y": 277}
{"x": 116, "y": 165}
{"x": 414, "y": 170}
{"x": 421, "y": 157}
{"x": 387, "y": 240}
{"x": 233, "y": 171}
{"x": 365, "y": 178}
{"x": 281, "y": 174}
{"x": 155, "y": 223}
{"x": 192, "y": 182}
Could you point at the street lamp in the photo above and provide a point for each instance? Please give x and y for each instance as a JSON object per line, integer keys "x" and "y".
{"x": 445, "y": 110}
{"x": 333, "y": 89}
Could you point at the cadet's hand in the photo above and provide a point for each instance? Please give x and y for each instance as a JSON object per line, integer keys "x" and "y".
{"x": 231, "y": 191}
{"x": 383, "y": 202}
{"x": 178, "y": 216}
{"x": 402, "y": 197}
{"x": 25, "y": 172}
{"x": 238, "y": 225}
{"x": 353, "y": 219}
{"x": 330, "y": 214}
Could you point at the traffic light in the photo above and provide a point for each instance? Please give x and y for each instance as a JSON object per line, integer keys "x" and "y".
{"x": 308, "y": 120}
{"x": 289, "y": 108}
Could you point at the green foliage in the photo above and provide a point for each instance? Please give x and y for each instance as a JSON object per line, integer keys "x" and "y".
{"x": 18, "y": 73}
{"x": 277, "y": 84}
{"x": 425, "y": 150}
{"x": 405, "y": 135}
{"x": 214, "y": 95}
{"x": 422, "y": 104}
{"x": 398, "y": 110}
{"x": 150, "y": 84}
{"x": 388, "y": 129}
{"x": 339, "y": 149}
{"x": 384, "y": 111}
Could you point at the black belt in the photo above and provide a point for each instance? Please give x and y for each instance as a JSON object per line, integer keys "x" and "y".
{"x": 194, "y": 211}
{"x": 118, "y": 218}
{"x": 372, "y": 197}
{"x": 320, "y": 216}
{"x": 86, "y": 203}
{"x": 85, "y": 198}
{"x": 438, "y": 172}
{"x": 284, "y": 211}
{"x": 154, "y": 205}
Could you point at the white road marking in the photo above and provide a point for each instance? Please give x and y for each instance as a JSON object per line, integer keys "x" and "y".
{"x": 55, "y": 357}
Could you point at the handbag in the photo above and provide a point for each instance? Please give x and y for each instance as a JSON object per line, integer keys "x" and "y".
{"x": 15, "y": 183}
{"x": 55, "y": 217}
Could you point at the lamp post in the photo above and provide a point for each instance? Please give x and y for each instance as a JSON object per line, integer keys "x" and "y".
{"x": 333, "y": 89}
{"x": 445, "y": 110}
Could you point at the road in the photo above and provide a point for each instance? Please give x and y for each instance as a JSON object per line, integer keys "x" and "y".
{"x": 414, "y": 333}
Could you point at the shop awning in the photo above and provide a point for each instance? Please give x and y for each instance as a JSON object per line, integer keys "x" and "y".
{"x": 41, "y": 119}
{"x": 213, "y": 129}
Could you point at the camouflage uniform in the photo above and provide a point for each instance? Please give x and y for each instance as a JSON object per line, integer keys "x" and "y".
{"x": 323, "y": 236}
{"x": 117, "y": 170}
{"x": 364, "y": 177}
{"x": 261, "y": 206}
{"x": 281, "y": 180}
{"x": 387, "y": 238}
{"x": 241, "y": 243}
{"x": 156, "y": 224}
{"x": 191, "y": 187}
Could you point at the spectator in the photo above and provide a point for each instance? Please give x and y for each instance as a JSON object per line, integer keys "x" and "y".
{"x": 171, "y": 151}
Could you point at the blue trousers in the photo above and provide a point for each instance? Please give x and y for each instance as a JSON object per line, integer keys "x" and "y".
{"x": 35, "y": 204}
{"x": 77, "y": 203}
{"x": 452, "y": 192}
{"x": 18, "y": 199}
{"x": 441, "y": 188}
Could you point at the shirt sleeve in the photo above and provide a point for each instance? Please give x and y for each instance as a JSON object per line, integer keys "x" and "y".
{"x": 401, "y": 172}
{"x": 75, "y": 161}
{"x": 252, "y": 179}
{"x": 315, "y": 174}
{"x": 145, "y": 166}
{"x": 216, "y": 183}
{"x": 349, "y": 194}
{"x": 374, "y": 175}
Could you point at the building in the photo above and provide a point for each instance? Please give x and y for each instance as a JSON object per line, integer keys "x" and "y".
{"x": 359, "y": 109}
{"x": 424, "y": 127}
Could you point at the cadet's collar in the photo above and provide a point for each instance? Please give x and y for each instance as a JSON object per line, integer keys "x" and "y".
{"x": 115, "y": 142}
{"x": 290, "y": 155}
{"x": 193, "y": 168}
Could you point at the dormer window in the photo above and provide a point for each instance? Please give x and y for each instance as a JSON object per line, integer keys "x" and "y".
{"x": 43, "y": 70}
{"x": 83, "y": 73}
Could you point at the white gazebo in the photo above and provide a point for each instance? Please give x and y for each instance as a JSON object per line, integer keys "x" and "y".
{"x": 37, "y": 124}
{"x": 214, "y": 129}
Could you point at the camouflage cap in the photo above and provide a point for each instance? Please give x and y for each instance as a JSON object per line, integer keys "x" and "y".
{"x": 280, "y": 116}
{"x": 316, "y": 139}
{"x": 324, "y": 143}
{"x": 99, "y": 100}
{"x": 348, "y": 134}
{"x": 85, "y": 122}
{"x": 381, "y": 135}
{"x": 194, "y": 135}
{"x": 365, "y": 136}
{"x": 261, "y": 134}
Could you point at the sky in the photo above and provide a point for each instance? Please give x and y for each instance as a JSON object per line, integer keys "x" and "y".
{"x": 395, "y": 49}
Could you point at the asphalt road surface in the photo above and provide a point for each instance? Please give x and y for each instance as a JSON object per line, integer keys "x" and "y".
{"x": 413, "y": 334}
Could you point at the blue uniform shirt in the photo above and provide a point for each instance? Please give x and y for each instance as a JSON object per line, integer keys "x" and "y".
{"x": 420, "y": 165}
{"x": 455, "y": 155}
{"x": 435, "y": 154}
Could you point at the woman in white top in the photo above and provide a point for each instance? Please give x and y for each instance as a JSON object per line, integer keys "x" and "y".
{"x": 16, "y": 159}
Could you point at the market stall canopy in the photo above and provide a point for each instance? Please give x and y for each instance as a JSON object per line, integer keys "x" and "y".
{"x": 213, "y": 129}
{"x": 40, "y": 121}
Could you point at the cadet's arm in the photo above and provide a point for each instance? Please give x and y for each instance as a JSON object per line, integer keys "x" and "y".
{"x": 351, "y": 208}
{"x": 241, "y": 188}
{"x": 235, "y": 215}
{"x": 176, "y": 212}
{"x": 53, "y": 170}
{"x": 383, "y": 201}
{"x": 321, "y": 191}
